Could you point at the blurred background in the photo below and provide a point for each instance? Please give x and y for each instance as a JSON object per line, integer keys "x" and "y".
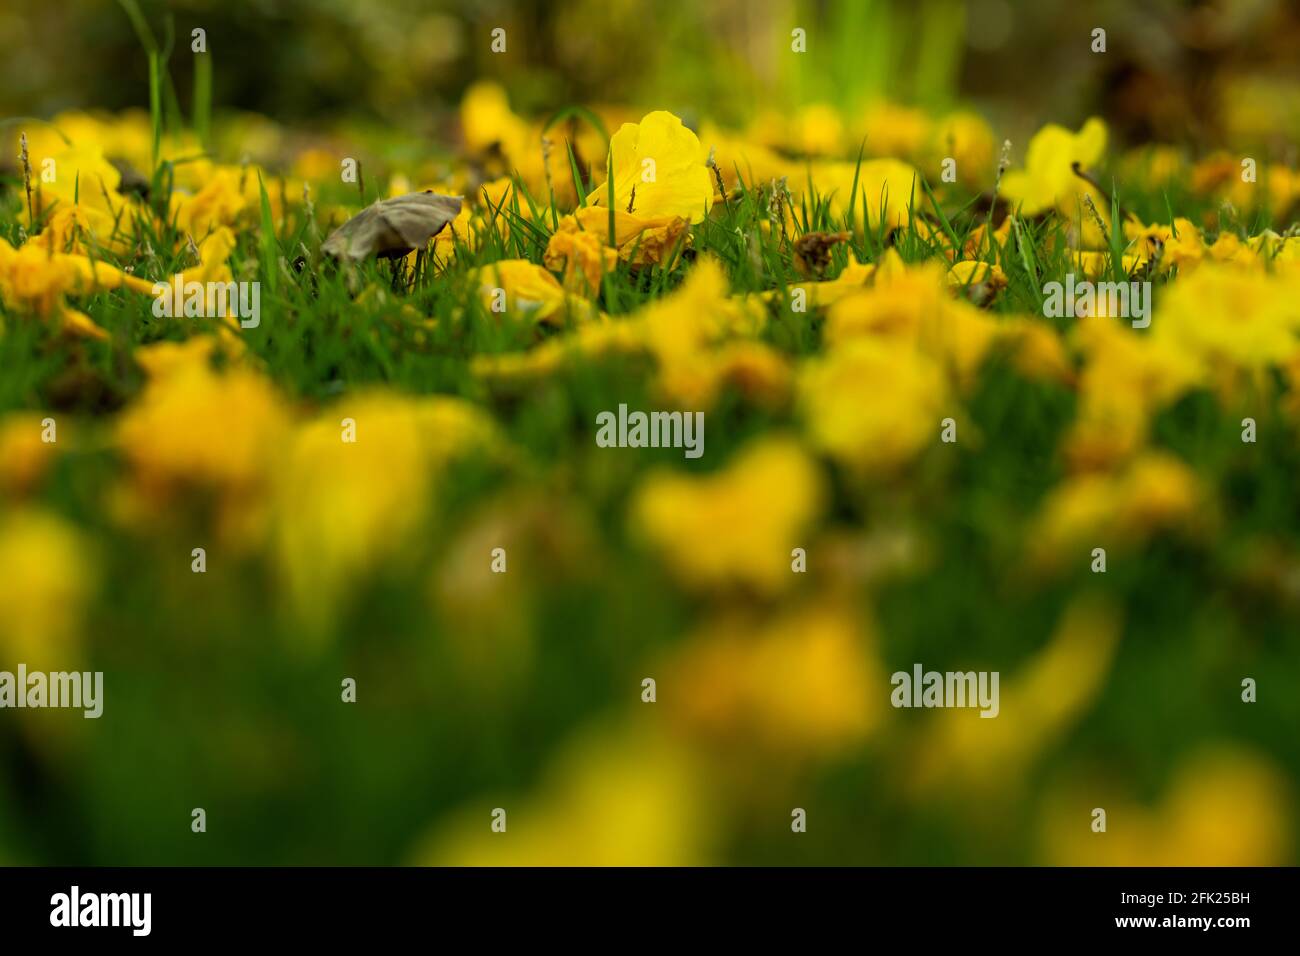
{"x": 1175, "y": 72}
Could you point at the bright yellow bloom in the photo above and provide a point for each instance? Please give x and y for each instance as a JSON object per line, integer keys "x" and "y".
{"x": 582, "y": 255}
{"x": 194, "y": 427}
{"x": 641, "y": 240}
{"x": 520, "y": 287}
{"x": 913, "y": 305}
{"x": 663, "y": 161}
{"x": 896, "y": 131}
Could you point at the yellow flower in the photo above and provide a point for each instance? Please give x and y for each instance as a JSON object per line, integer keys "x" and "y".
{"x": 1115, "y": 511}
{"x": 980, "y": 280}
{"x": 894, "y": 130}
{"x": 817, "y": 130}
{"x": 805, "y": 682}
{"x": 966, "y": 138}
{"x": 737, "y": 526}
{"x": 913, "y": 305}
{"x": 886, "y": 190}
{"x": 626, "y": 797}
{"x": 487, "y": 121}
{"x": 81, "y": 177}
{"x": 872, "y": 405}
{"x": 1224, "y": 806}
{"x": 341, "y": 507}
{"x": 36, "y": 280}
{"x": 1048, "y": 180}
{"x": 1224, "y": 316}
{"x": 957, "y": 749}
{"x": 47, "y": 575}
{"x": 194, "y": 427}
{"x": 1126, "y": 377}
{"x": 581, "y": 255}
{"x": 641, "y": 240}
{"x": 522, "y": 287}
{"x": 217, "y": 204}
{"x": 24, "y": 456}
{"x": 82, "y": 229}
{"x": 663, "y": 161}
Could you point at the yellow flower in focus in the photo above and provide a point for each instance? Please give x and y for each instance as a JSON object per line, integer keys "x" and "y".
{"x": 47, "y": 576}
{"x": 980, "y": 281}
{"x": 663, "y": 161}
{"x": 737, "y": 526}
{"x": 641, "y": 240}
{"x": 581, "y": 255}
{"x": 627, "y": 797}
{"x": 872, "y": 405}
{"x": 521, "y": 288}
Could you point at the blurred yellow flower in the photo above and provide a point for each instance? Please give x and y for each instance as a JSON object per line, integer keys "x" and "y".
{"x": 1048, "y": 180}
{"x": 1119, "y": 510}
{"x": 355, "y": 483}
{"x": 1224, "y": 806}
{"x": 737, "y": 526}
{"x": 956, "y": 749}
{"x": 805, "y": 682}
{"x": 871, "y": 404}
{"x": 24, "y": 456}
{"x": 625, "y": 797}
{"x": 47, "y": 575}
